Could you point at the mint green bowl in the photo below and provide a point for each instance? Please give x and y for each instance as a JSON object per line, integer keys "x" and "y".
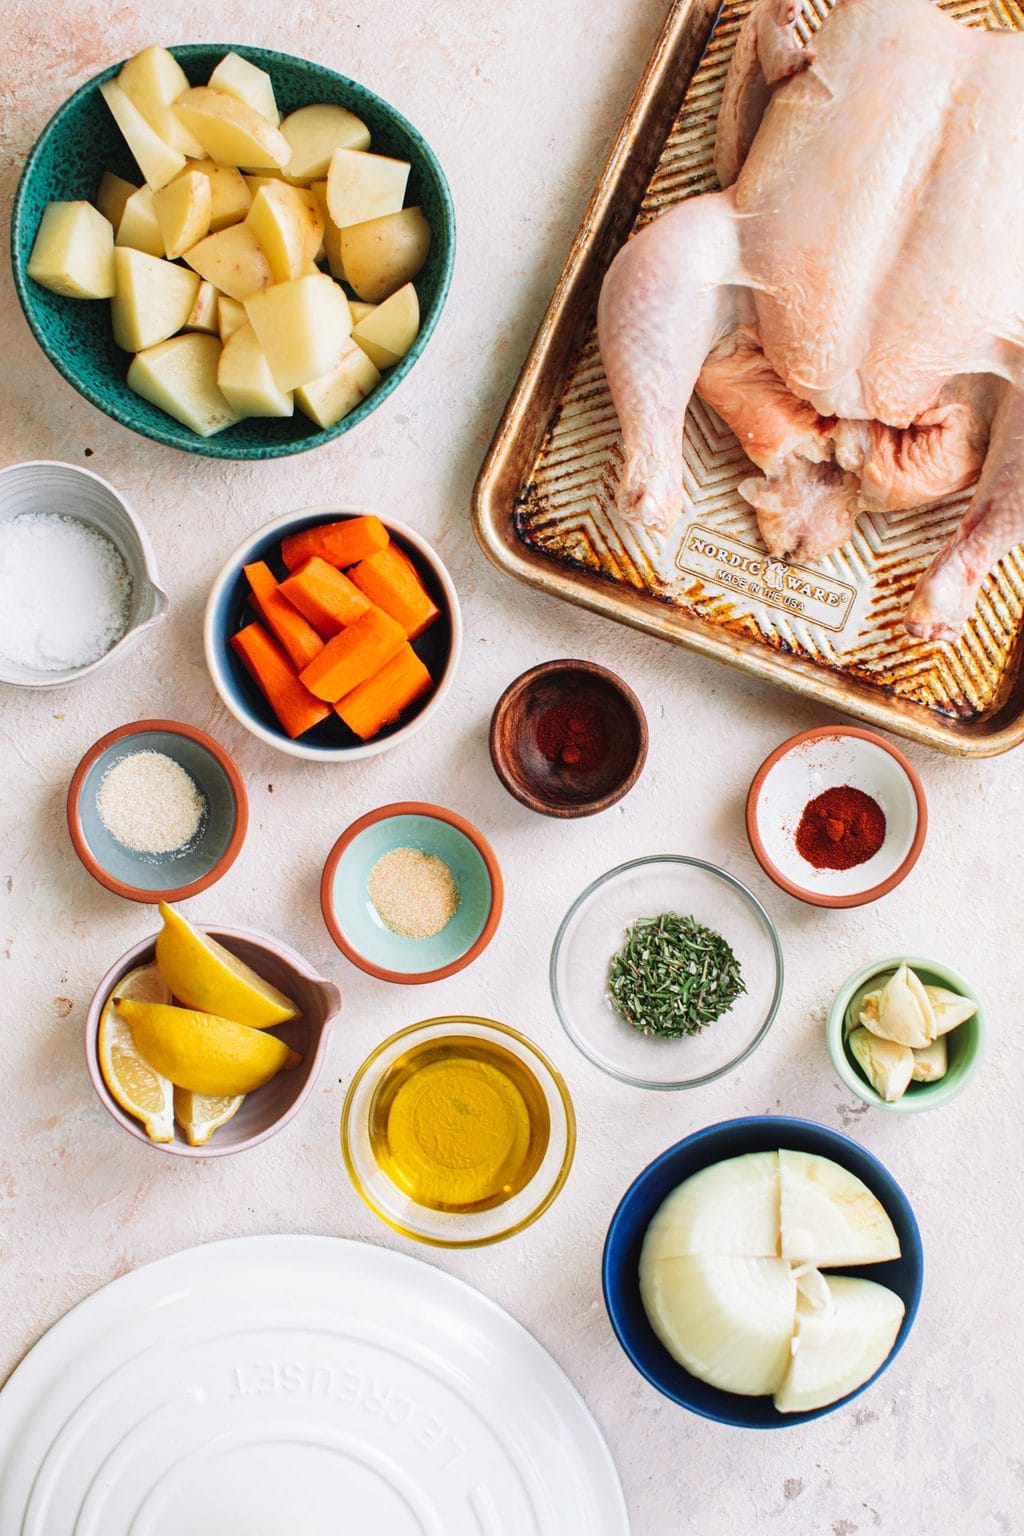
{"x": 966, "y": 1043}
{"x": 81, "y": 141}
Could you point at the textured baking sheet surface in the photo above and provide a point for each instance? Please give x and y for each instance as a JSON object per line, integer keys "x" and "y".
{"x": 846, "y": 611}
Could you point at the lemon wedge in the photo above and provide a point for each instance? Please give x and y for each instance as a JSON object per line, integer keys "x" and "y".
{"x": 199, "y": 1115}
{"x": 134, "y": 1084}
{"x": 201, "y": 1052}
{"x": 202, "y": 974}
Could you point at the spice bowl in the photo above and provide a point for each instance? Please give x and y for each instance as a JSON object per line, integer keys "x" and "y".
{"x": 458, "y": 1132}
{"x": 593, "y": 931}
{"x": 568, "y": 738}
{"x": 220, "y": 818}
{"x": 965, "y": 1044}
{"x": 48, "y": 487}
{"x": 353, "y": 919}
{"x": 268, "y": 1109}
{"x": 835, "y": 758}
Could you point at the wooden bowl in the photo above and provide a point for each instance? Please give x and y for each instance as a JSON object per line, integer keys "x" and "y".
{"x": 546, "y": 783}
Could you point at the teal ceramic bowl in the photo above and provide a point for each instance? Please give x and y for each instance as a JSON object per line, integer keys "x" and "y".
{"x": 966, "y": 1043}
{"x": 352, "y": 919}
{"x": 81, "y": 141}
{"x": 171, "y": 876}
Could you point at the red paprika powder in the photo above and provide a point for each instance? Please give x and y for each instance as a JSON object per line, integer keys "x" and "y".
{"x": 572, "y": 735}
{"x": 840, "y": 828}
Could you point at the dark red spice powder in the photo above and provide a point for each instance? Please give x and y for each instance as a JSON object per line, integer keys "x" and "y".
{"x": 840, "y": 828}
{"x": 572, "y": 735}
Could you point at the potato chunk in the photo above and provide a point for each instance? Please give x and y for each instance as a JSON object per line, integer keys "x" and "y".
{"x": 315, "y": 132}
{"x": 157, "y": 161}
{"x": 180, "y": 376}
{"x": 112, "y": 195}
{"x": 203, "y": 316}
{"x": 382, "y": 254}
{"x": 389, "y": 330}
{"x": 289, "y": 226}
{"x": 230, "y": 315}
{"x": 73, "y": 253}
{"x": 183, "y": 212}
{"x": 153, "y": 80}
{"x": 230, "y": 198}
{"x": 230, "y": 131}
{"x": 139, "y": 226}
{"x": 245, "y": 380}
{"x": 361, "y": 186}
{"x": 348, "y": 381}
{"x": 233, "y": 261}
{"x": 246, "y": 82}
{"x": 153, "y": 299}
{"x": 301, "y": 326}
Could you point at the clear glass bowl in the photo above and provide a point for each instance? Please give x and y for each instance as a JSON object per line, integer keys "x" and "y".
{"x": 593, "y": 930}
{"x": 472, "y": 1228}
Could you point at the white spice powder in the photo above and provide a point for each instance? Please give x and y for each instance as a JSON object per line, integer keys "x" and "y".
{"x": 414, "y": 893}
{"x": 65, "y": 592}
{"x": 148, "y": 803}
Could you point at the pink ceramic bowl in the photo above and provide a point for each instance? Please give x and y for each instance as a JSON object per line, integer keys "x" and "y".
{"x": 271, "y": 1107}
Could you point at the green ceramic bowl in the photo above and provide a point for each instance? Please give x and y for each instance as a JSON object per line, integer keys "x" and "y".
{"x": 81, "y": 141}
{"x": 966, "y": 1043}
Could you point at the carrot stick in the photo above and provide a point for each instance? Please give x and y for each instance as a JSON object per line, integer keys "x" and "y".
{"x": 340, "y": 544}
{"x": 297, "y": 637}
{"x": 324, "y": 596}
{"x": 272, "y": 672}
{"x": 383, "y": 697}
{"x": 390, "y": 580}
{"x": 353, "y": 656}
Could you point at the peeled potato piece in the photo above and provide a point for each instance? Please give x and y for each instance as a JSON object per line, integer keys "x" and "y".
{"x": 180, "y": 376}
{"x": 728, "y": 1320}
{"x": 345, "y": 384}
{"x": 887, "y": 1066}
{"x": 203, "y": 316}
{"x": 230, "y": 315}
{"x": 154, "y": 298}
{"x": 230, "y": 197}
{"x": 382, "y": 254}
{"x": 112, "y": 195}
{"x": 829, "y": 1216}
{"x": 387, "y": 333}
{"x": 183, "y": 212}
{"x": 866, "y": 1321}
{"x": 153, "y": 80}
{"x": 157, "y": 161}
{"x": 362, "y": 186}
{"x": 139, "y": 227}
{"x": 315, "y": 132}
{"x": 289, "y": 226}
{"x": 246, "y": 82}
{"x": 230, "y": 131}
{"x": 731, "y": 1208}
{"x": 245, "y": 380}
{"x": 73, "y": 252}
{"x": 301, "y": 326}
{"x": 360, "y": 309}
{"x": 233, "y": 261}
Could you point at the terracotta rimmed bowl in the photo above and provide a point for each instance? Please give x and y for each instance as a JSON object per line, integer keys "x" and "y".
{"x": 269, "y": 1108}
{"x": 965, "y": 1044}
{"x": 472, "y": 1227}
{"x": 160, "y": 877}
{"x": 228, "y": 608}
{"x": 352, "y": 919}
{"x": 557, "y": 788}
{"x": 802, "y": 768}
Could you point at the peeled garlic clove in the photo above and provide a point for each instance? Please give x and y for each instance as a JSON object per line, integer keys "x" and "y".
{"x": 931, "y": 1062}
{"x": 905, "y": 1013}
{"x": 949, "y": 1009}
{"x": 888, "y": 1067}
{"x": 868, "y": 1013}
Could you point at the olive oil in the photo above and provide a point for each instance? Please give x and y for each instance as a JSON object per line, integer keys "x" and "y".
{"x": 459, "y": 1124}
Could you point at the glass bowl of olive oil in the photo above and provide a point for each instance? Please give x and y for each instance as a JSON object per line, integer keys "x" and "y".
{"x": 458, "y": 1131}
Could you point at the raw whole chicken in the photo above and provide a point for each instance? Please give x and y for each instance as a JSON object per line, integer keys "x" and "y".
{"x": 853, "y": 304}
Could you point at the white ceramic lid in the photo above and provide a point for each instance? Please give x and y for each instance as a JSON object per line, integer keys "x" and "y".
{"x": 271, "y": 1385}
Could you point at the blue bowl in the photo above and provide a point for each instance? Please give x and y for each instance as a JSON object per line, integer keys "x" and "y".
{"x": 81, "y": 141}
{"x": 353, "y": 921}
{"x": 732, "y": 1138}
{"x": 228, "y": 609}
{"x": 171, "y": 876}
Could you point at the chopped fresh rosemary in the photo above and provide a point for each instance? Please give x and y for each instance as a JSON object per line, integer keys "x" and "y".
{"x": 672, "y": 976}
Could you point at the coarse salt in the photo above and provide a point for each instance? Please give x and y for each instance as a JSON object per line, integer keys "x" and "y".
{"x": 65, "y": 590}
{"x": 415, "y": 893}
{"x": 148, "y": 803}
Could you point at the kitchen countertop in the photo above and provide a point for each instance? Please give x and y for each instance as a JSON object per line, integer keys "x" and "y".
{"x": 520, "y": 101}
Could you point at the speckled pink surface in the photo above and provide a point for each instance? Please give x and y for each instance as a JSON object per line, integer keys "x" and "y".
{"x": 520, "y": 100}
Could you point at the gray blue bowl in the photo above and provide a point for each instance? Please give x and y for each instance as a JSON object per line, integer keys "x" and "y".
{"x": 81, "y": 141}
{"x": 160, "y": 877}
